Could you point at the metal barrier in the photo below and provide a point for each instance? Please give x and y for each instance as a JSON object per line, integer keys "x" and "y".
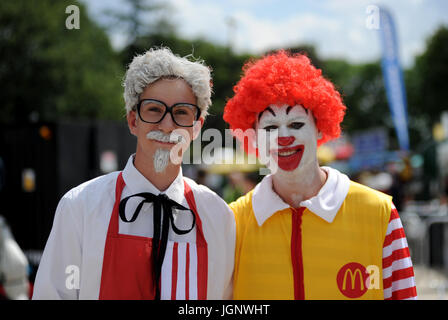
{"x": 418, "y": 221}
{"x": 426, "y": 228}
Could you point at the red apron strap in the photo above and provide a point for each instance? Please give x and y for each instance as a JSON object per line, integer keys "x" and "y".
{"x": 113, "y": 224}
{"x": 192, "y": 204}
{"x": 202, "y": 252}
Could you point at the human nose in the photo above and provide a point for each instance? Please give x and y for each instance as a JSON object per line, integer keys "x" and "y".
{"x": 285, "y": 141}
{"x": 167, "y": 123}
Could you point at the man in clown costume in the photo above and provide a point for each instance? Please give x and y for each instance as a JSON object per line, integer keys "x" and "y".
{"x": 305, "y": 231}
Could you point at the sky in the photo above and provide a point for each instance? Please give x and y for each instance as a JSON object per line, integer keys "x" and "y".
{"x": 337, "y": 29}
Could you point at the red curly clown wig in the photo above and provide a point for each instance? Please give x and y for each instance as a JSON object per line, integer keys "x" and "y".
{"x": 283, "y": 78}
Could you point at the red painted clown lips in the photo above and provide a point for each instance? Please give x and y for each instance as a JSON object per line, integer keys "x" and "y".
{"x": 288, "y": 158}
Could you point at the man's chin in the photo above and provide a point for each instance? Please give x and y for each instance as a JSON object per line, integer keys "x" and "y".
{"x": 161, "y": 159}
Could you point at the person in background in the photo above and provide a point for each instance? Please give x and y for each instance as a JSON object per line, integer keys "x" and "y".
{"x": 305, "y": 231}
{"x": 14, "y": 282}
{"x": 239, "y": 183}
{"x": 146, "y": 232}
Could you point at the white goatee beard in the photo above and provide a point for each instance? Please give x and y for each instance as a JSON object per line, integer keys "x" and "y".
{"x": 161, "y": 159}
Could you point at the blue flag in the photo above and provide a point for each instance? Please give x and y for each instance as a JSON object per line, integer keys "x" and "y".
{"x": 393, "y": 78}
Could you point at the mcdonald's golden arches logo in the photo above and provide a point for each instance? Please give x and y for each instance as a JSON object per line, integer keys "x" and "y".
{"x": 354, "y": 279}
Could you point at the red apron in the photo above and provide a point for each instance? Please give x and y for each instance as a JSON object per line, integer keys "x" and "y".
{"x": 127, "y": 264}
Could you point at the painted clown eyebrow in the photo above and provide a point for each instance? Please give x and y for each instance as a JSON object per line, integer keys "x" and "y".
{"x": 267, "y": 109}
{"x": 290, "y": 107}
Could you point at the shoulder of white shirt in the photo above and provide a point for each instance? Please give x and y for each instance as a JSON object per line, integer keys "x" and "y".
{"x": 93, "y": 186}
{"x": 325, "y": 204}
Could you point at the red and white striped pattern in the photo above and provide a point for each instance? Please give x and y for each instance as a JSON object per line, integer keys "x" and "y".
{"x": 398, "y": 273}
{"x": 179, "y": 279}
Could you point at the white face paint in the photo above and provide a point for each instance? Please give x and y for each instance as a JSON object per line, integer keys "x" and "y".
{"x": 294, "y": 147}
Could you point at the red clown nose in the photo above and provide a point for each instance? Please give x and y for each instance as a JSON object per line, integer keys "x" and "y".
{"x": 285, "y": 141}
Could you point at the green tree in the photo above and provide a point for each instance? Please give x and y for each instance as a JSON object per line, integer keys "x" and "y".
{"x": 143, "y": 17}
{"x": 51, "y": 71}
{"x": 427, "y": 82}
{"x": 363, "y": 92}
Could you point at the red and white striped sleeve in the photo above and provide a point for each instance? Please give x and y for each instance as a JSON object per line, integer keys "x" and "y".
{"x": 398, "y": 273}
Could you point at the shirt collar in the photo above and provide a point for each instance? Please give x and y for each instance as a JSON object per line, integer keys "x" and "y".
{"x": 137, "y": 183}
{"x": 325, "y": 204}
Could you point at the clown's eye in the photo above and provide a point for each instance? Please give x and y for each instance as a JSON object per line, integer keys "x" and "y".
{"x": 296, "y": 125}
{"x": 270, "y": 128}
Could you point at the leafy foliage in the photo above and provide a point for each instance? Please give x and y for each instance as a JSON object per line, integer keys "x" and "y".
{"x": 428, "y": 79}
{"x": 49, "y": 71}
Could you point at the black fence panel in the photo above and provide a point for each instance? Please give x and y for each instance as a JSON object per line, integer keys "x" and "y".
{"x": 29, "y": 155}
{"x": 42, "y": 161}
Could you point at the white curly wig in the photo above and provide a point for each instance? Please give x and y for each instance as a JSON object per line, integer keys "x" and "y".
{"x": 158, "y": 63}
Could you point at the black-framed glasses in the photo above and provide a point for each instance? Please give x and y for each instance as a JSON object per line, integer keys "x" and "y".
{"x": 153, "y": 111}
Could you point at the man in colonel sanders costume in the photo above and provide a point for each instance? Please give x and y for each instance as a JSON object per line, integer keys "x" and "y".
{"x": 305, "y": 231}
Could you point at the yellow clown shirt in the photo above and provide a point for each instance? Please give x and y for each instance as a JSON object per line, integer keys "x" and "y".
{"x": 347, "y": 242}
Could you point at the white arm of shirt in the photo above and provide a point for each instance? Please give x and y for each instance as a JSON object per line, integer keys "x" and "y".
{"x": 59, "y": 268}
{"x": 227, "y": 229}
{"x": 218, "y": 223}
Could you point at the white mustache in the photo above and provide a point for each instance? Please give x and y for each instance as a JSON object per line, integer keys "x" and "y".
{"x": 163, "y": 137}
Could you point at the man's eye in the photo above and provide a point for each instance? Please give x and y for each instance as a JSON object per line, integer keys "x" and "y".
{"x": 296, "y": 125}
{"x": 270, "y": 128}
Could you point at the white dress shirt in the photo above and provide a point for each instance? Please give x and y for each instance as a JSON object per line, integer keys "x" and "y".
{"x": 77, "y": 239}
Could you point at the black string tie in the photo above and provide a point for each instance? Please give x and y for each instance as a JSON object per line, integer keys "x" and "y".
{"x": 160, "y": 237}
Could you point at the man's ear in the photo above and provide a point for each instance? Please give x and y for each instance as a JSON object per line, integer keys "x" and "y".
{"x": 197, "y": 127}
{"x": 132, "y": 122}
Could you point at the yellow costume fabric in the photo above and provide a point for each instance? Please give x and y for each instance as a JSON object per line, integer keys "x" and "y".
{"x": 330, "y": 252}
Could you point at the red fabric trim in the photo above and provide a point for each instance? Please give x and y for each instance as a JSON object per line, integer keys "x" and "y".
{"x": 296, "y": 253}
{"x": 201, "y": 247}
{"x": 394, "y": 235}
{"x": 398, "y": 275}
{"x": 202, "y": 272}
{"x": 396, "y": 255}
{"x": 113, "y": 224}
{"x": 112, "y": 231}
{"x": 174, "y": 273}
{"x": 192, "y": 204}
{"x": 393, "y": 214}
{"x": 403, "y": 294}
{"x": 187, "y": 273}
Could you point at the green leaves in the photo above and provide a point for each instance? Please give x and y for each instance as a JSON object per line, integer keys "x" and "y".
{"x": 49, "y": 70}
